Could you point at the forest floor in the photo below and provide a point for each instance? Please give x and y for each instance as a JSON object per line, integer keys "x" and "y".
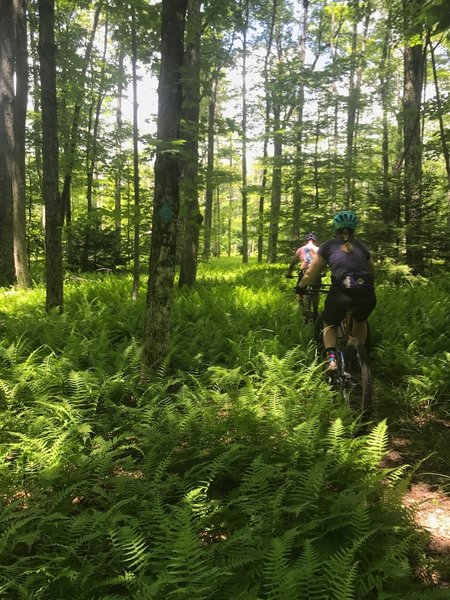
{"x": 420, "y": 441}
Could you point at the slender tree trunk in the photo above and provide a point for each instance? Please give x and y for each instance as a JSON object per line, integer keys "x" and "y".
{"x": 119, "y": 165}
{"x": 299, "y": 162}
{"x": 210, "y": 167}
{"x": 190, "y": 132}
{"x": 412, "y": 100}
{"x": 7, "y": 146}
{"x": 384, "y": 83}
{"x": 53, "y": 207}
{"x": 92, "y": 155}
{"x": 70, "y": 147}
{"x": 334, "y": 42}
{"x": 244, "y": 138}
{"x": 166, "y": 195}
{"x": 357, "y": 56}
{"x": 218, "y": 224}
{"x": 265, "y": 155}
{"x": 136, "y": 184}
{"x": 353, "y": 99}
{"x": 442, "y": 130}
{"x": 37, "y": 126}
{"x": 20, "y": 114}
{"x": 275, "y": 203}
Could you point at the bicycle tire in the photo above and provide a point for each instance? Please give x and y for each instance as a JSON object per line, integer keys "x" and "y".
{"x": 318, "y": 337}
{"x": 361, "y": 392}
{"x": 308, "y": 310}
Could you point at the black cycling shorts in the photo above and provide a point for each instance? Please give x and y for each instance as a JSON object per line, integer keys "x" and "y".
{"x": 338, "y": 301}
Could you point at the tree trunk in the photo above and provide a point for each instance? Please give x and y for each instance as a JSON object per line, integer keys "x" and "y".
{"x": 71, "y": 145}
{"x": 20, "y": 114}
{"x": 411, "y": 102}
{"x": 334, "y": 42}
{"x": 166, "y": 195}
{"x": 210, "y": 167}
{"x": 244, "y": 138}
{"x": 386, "y": 205}
{"x": 7, "y": 272}
{"x": 275, "y": 203}
{"x": 136, "y": 183}
{"x": 299, "y": 162}
{"x": 53, "y": 207}
{"x": 443, "y": 136}
{"x": 90, "y": 240}
{"x": 357, "y": 55}
{"x": 266, "y": 136}
{"x": 190, "y": 118}
{"x": 37, "y": 128}
{"x": 118, "y": 165}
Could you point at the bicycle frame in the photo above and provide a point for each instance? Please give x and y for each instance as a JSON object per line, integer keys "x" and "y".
{"x": 353, "y": 377}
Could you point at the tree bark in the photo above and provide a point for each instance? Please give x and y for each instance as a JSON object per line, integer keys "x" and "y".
{"x": 136, "y": 182}
{"x": 118, "y": 165}
{"x": 265, "y": 155}
{"x": 166, "y": 194}
{"x": 70, "y": 147}
{"x": 275, "y": 201}
{"x": 190, "y": 132}
{"x": 244, "y": 138}
{"x": 210, "y": 166}
{"x": 53, "y": 206}
{"x": 7, "y": 146}
{"x": 443, "y": 136}
{"x": 20, "y": 114}
{"x": 297, "y": 194}
{"x": 384, "y": 85}
{"x": 411, "y": 102}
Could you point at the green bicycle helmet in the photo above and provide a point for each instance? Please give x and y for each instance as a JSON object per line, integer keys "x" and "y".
{"x": 345, "y": 219}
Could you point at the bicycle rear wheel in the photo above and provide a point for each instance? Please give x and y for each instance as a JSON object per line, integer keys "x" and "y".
{"x": 307, "y": 307}
{"x": 361, "y": 392}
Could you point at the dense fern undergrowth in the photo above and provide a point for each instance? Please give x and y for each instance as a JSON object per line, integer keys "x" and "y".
{"x": 234, "y": 474}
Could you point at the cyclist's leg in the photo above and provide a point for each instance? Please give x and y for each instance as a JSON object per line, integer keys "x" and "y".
{"x": 364, "y": 305}
{"x": 359, "y": 331}
{"x": 336, "y": 305}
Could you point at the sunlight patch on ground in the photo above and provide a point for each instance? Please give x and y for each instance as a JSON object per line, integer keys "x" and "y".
{"x": 432, "y": 512}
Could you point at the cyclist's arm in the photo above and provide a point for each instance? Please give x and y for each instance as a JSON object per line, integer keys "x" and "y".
{"x": 313, "y": 272}
{"x": 294, "y": 261}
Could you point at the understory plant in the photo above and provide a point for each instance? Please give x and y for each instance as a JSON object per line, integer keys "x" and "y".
{"x": 234, "y": 474}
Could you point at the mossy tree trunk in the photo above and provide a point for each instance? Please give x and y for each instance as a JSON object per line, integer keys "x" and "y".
{"x": 190, "y": 132}
{"x": 166, "y": 195}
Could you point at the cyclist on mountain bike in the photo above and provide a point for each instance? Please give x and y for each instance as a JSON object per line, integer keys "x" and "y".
{"x": 305, "y": 256}
{"x": 352, "y": 282}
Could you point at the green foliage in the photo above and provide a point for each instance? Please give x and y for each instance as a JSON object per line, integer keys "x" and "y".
{"x": 233, "y": 474}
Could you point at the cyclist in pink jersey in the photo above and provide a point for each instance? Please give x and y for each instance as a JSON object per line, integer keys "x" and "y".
{"x": 305, "y": 256}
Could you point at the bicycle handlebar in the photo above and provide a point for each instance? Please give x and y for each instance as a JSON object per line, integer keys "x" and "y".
{"x": 310, "y": 290}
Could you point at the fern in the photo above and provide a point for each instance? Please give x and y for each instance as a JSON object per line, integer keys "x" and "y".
{"x": 310, "y": 583}
{"x": 377, "y": 442}
{"x": 132, "y": 546}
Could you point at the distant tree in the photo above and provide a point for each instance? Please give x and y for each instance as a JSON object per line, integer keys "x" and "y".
{"x": 136, "y": 181}
{"x": 246, "y": 17}
{"x": 166, "y": 195}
